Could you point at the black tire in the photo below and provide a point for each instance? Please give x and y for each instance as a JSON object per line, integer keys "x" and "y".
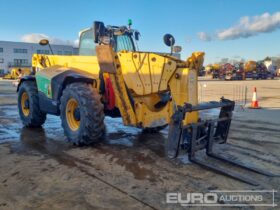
{"x": 91, "y": 114}
{"x": 35, "y": 117}
{"x": 154, "y": 130}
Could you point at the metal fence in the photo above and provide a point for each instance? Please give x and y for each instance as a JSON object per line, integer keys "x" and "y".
{"x": 214, "y": 91}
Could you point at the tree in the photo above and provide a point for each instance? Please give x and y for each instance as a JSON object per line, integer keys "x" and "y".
{"x": 277, "y": 63}
{"x": 267, "y": 58}
{"x": 224, "y": 60}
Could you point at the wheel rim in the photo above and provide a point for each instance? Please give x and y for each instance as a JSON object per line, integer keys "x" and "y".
{"x": 25, "y": 104}
{"x": 71, "y": 112}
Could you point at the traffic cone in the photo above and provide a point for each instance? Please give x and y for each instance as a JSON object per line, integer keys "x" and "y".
{"x": 255, "y": 103}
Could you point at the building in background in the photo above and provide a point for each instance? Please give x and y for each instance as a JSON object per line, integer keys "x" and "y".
{"x": 19, "y": 54}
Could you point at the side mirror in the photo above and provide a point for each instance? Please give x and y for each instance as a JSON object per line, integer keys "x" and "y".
{"x": 136, "y": 35}
{"x": 98, "y": 30}
{"x": 176, "y": 49}
{"x": 169, "y": 40}
{"x": 44, "y": 42}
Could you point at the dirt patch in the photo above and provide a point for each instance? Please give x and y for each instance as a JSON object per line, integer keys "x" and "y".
{"x": 39, "y": 169}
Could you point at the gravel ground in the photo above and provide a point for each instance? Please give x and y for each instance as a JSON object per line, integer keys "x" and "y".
{"x": 39, "y": 169}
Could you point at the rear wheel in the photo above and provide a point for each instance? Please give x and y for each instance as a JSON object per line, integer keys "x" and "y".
{"x": 28, "y": 105}
{"x": 82, "y": 114}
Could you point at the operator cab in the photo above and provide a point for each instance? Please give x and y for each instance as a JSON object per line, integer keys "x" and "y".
{"x": 121, "y": 38}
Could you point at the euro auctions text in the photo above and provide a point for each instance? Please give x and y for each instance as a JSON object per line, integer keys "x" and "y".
{"x": 265, "y": 198}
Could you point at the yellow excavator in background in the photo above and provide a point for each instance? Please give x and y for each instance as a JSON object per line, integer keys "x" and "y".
{"x": 250, "y": 66}
{"x": 213, "y": 70}
{"x": 16, "y": 73}
{"x": 148, "y": 90}
{"x": 257, "y": 70}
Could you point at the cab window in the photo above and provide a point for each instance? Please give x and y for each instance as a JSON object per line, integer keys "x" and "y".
{"x": 87, "y": 45}
{"x": 124, "y": 42}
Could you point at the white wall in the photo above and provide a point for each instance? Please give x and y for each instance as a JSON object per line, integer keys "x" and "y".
{"x": 8, "y": 51}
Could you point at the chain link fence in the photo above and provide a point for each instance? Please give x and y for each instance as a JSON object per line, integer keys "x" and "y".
{"x": 214, "y": 91}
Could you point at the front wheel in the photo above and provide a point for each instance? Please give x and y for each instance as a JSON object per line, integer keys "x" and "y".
{"x": 82, "y": 114}
{"x": 28, "y": 105}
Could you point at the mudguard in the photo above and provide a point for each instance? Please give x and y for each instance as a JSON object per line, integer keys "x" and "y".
{"x": 59, "y": 82}
{"x": 26, "y": 78}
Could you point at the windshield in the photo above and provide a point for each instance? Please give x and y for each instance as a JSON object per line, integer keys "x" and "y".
{"x": 120, "y": 42}
{"x": 124, "y": 42}
{"x": 87, "y": 45}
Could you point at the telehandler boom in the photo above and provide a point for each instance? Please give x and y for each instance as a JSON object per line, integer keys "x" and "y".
{"x": 147, "y": 90}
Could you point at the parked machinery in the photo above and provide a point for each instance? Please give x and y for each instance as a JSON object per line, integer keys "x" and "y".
{"x": 16, "y": 73}
{"x": 202, "y": 71}
{"x": 212, "y": 70}
{"x": 278, "y": 72}
{"x": 257, "y": 70}
{"x": 231, "y": 72}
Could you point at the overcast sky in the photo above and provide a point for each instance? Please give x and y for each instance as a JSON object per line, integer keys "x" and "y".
{"x": 222, "y": 28}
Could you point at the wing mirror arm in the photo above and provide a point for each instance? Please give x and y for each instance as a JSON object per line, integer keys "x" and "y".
{"x": 169, "y": 41}
{"x": 44, "y": 42}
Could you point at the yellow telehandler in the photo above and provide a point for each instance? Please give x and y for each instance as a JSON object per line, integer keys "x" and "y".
{"x": 110, "y": 77}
